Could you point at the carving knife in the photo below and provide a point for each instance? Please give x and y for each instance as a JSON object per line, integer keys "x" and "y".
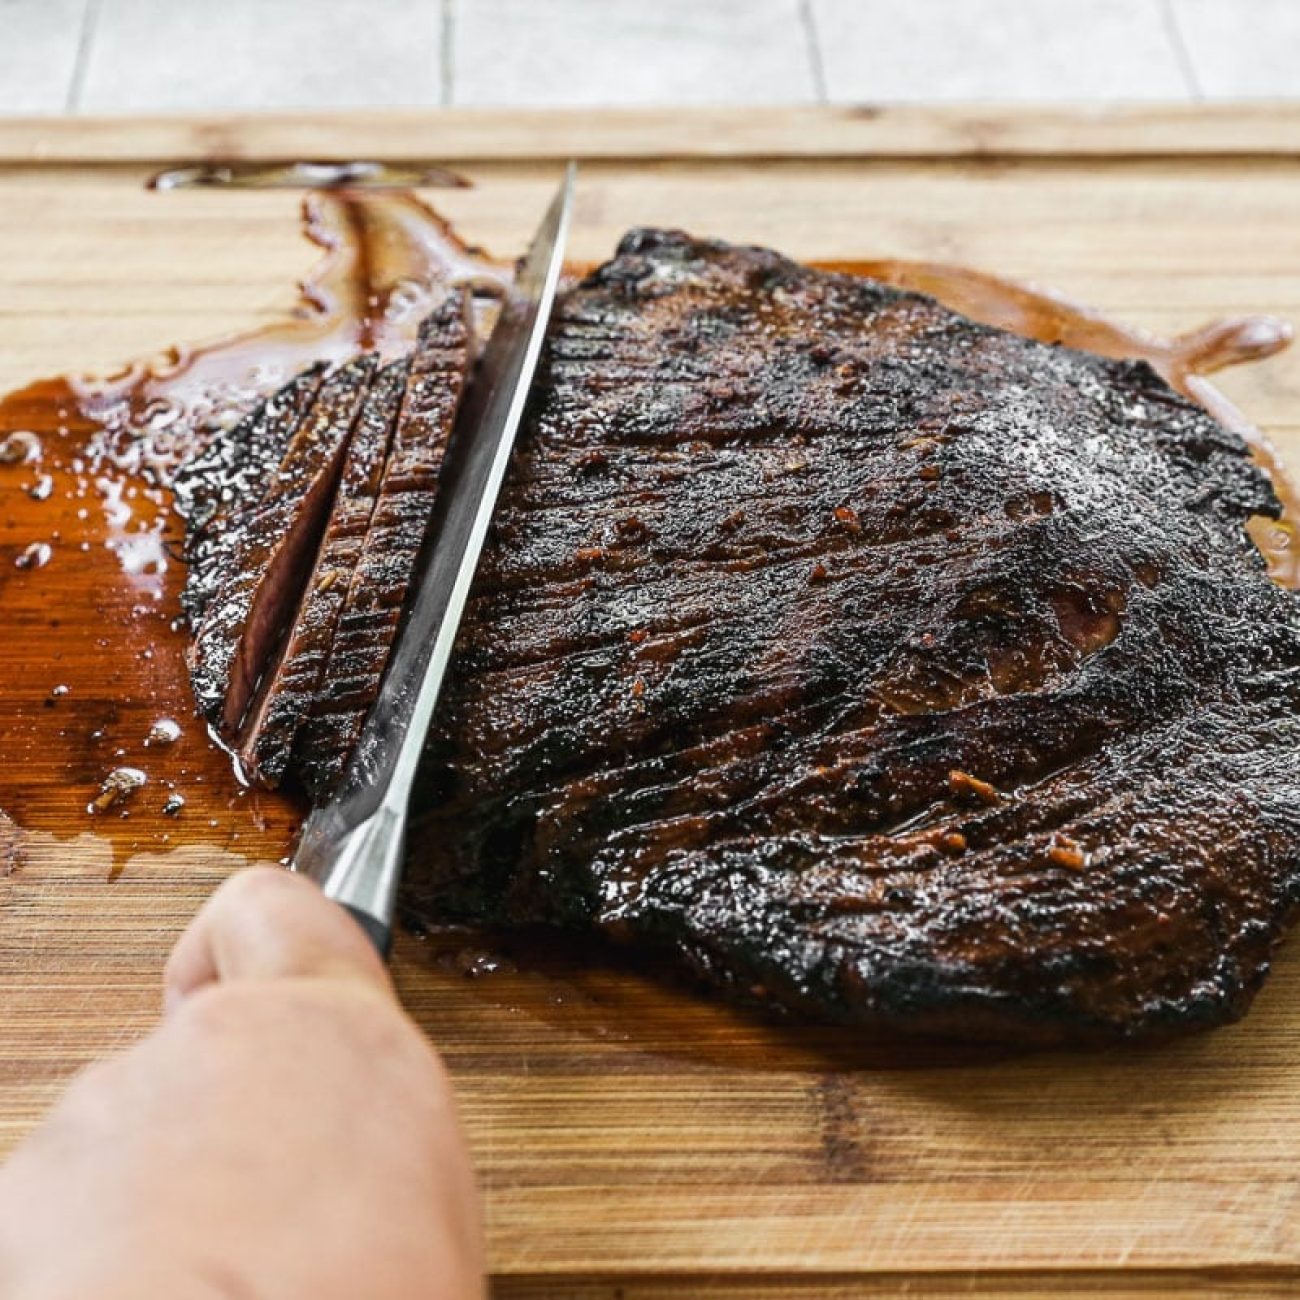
{"x": 354, "y": 845}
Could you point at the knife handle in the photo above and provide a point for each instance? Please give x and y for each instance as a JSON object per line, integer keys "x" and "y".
{"x": 379, "y": 934}
{"x": 356, "y": 860}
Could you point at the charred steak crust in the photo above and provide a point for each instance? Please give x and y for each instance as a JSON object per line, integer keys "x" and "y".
{"x": 892, "y": 668}
{"x": 372, "y": 605}
{"x": 291, "y": 683}
{"x": 303, "y": 528}
{"x": 217, "y": 491}
{"x": 263, "y": 563}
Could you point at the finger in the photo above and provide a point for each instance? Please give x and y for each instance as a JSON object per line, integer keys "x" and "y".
{"x": 265, "y": 923}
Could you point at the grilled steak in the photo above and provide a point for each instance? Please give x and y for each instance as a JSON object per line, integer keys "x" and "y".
{"x": 266, "y": 561}
{"x": 218, "y": 491}
{"x": 290, "y": 683}
{"x": 304, "y": 525}
{"x": 876, "y": 663}
{"x": 373, "y": 603}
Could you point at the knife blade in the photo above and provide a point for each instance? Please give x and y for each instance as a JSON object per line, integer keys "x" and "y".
{"x": 354, "y": 845}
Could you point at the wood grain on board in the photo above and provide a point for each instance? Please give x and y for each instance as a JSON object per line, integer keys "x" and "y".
{"x": 1101, "y": 131}
{"x": 632, "y": 1140}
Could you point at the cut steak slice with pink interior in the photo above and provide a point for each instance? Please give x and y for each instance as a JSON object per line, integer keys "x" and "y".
{"x": 289, "y": 685}
{"x": 267, "y": 563}
{"x": 375, "y": 597}
{"x": 218, "y": 491}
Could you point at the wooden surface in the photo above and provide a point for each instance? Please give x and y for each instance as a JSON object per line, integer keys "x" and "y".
{"x": 1102, "y": 132}
{"x": 633, "y": 1141}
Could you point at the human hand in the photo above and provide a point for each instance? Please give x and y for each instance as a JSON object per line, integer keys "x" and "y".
{"x": 286, "y": 1133}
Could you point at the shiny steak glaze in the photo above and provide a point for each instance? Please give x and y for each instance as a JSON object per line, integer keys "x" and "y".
{"x": 303, "y": 528}
{"x": 881, "y": 665}
{"x": 396, "y": 529}
{"x": 218, "y": 491}
{"x": 293, "y": 680}
{"x": 265, "y": 561}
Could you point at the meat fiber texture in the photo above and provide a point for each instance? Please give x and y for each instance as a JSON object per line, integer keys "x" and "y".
{"x": 217, "y": 491}
{"x": 303, "y": 530}
{"x": 396, "y": 529}
{"x": 875, "y": 664}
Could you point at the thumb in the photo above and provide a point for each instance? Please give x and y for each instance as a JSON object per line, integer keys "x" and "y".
{"x": 265, "y": 923}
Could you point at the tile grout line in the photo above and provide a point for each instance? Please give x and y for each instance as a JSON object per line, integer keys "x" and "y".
{"x": 808, "y": 22}
{"x": 446, "y": 60}
{"x": 1174, "y": 34}
{"x": 86, "y": 38}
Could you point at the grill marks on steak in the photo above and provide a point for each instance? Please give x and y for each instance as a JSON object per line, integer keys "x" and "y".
{"x": 290, "y": 685}
{"x": 372, "y": 607}
{"x": 217, "y": 491}
{"x": 894, "y": 668}
{"x": 272, "y": 554}
{"x": 303, "y": 529}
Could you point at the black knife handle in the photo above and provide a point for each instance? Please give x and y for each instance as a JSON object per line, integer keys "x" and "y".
{"x": 379, "y": 934}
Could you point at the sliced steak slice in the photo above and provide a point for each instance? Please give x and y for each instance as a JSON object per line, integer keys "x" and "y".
{"x": 273, "y": 554}
{"x": 373, "y": 604}
{"x": 875, "y": 663}
{"x": 217, "y": 491}
{"x": 289, "y": 687}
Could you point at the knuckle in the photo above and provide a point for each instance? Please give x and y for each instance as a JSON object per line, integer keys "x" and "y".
{"x": 259, "y": 883}
{"x": 214, "y": 1011}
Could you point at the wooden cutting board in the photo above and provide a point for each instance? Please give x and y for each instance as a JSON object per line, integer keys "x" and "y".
{"x": 634, "y": 1141}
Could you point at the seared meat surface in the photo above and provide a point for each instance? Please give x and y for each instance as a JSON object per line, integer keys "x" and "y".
{"x": 265, "y": 563}
{"x": 873, "y": 663}
{"x": 217, "y": 492}
{"x": 303, "y": 529}
{"x": 407, "y": 494}
{"x": 294, "y": 678}
{"x": 878, "y": 664}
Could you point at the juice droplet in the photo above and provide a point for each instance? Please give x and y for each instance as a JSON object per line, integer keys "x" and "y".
{"x": 118, "y": 786}
{"x": 116, "y": 511}
{"x": 36, "y": 556}
{"x": 141, "y": 555}
{"x": 166, "y": 731}
{"x": 20, "y": 448}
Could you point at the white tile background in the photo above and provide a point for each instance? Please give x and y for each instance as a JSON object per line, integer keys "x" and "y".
{"x": 140, "y": 55}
